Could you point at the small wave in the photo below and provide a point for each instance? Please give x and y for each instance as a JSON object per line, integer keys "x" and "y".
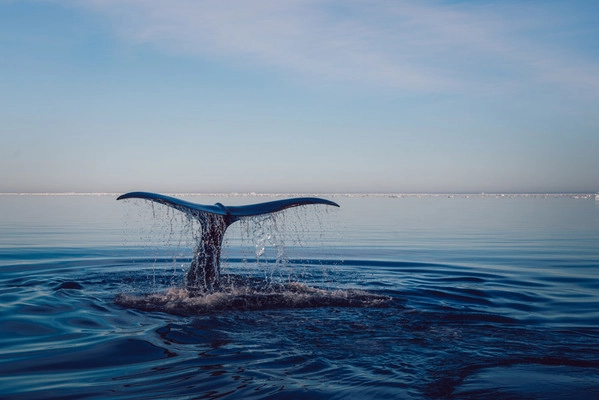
{"x": 249, "y": 295}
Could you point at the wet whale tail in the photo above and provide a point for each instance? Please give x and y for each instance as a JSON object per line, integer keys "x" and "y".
{"x": 204, "y": 271}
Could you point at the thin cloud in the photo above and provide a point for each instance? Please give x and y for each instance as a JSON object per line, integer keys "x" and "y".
{"x": 409, "y": 45}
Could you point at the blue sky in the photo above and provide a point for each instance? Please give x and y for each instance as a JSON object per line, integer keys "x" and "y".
{"x": 299, "y": 96}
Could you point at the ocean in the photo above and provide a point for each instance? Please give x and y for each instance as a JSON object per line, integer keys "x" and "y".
{"x": 388, "y": 296}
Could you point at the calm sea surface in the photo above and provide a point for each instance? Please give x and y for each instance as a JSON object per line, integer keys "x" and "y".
{"x": 408, "y": 297}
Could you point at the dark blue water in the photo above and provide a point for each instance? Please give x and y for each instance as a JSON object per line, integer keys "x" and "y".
{"x": 432, "y": 297}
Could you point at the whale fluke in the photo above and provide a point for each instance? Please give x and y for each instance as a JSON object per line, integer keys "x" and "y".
{"x": 204, "y": 271}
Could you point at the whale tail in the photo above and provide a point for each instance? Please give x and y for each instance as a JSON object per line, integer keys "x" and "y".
{"x": 204, "y": 271}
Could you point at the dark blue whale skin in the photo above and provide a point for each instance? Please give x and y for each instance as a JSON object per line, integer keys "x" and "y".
{"x": 204, "y": 271}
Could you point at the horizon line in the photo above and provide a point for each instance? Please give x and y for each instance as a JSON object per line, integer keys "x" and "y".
{"x": 346, "y": 194}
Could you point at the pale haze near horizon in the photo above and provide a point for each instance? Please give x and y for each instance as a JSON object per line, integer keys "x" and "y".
{"x": 299, "y": 96}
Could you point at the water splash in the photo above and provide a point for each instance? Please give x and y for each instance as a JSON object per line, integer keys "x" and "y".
{"x": 243, "y": 294}
{"x": 267, "y": 279}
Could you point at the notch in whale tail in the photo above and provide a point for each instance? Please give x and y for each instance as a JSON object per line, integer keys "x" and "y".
{"x": 204, "y": 271}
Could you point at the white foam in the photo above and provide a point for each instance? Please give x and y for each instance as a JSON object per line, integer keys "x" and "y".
{"x": 246, "y": 297}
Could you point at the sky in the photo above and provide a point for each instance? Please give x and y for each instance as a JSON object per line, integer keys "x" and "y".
{"x": 299, "y": 96}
